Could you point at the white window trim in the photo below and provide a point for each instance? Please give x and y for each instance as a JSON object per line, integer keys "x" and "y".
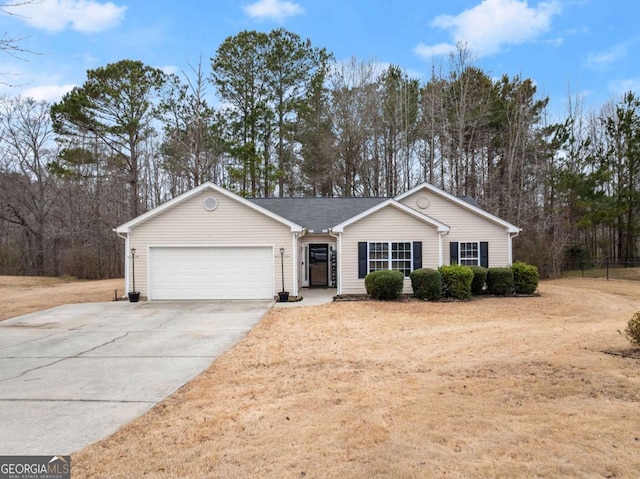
{"x": 390, "y": 259}
{"x": 460, "y": 243}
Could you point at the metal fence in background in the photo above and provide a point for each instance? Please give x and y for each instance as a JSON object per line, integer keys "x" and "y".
{"x": 605, "y": 269}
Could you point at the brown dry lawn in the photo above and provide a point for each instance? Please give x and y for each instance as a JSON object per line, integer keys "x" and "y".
{"x": 539, "y": 387}
{"x": 25, "y": 294}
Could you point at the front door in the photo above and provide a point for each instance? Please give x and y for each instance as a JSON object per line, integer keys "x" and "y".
{"x": 319, "y": 265}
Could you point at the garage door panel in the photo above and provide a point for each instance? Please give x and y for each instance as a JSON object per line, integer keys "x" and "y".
{"x": 209, "y": 273}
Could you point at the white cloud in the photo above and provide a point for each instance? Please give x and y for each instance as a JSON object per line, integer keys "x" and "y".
{"x": 556, "y": 42}
{"x": 429, "y": 51}
{"x": 50, "y": 93}
{"x": 169, "y": 69}
{"x": 414, "y": 74}
{"x": 604, "y": 59}
{"x": 620, "y": 87}
{"x": 277, "y": 10}
{"x": 492, "y": 24}
{"x": 80, "y": 15}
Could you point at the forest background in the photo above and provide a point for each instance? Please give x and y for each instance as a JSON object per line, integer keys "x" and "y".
{"x": 291, "y": 121}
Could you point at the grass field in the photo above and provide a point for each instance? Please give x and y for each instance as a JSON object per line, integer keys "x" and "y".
{"x": 631, "y": 274}
{"x": 540, "y": 387}
{"x": 26, "y": 294}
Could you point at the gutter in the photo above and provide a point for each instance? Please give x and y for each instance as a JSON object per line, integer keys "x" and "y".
{"x": 511, "y": 236}
{"x": 441, "y": 234}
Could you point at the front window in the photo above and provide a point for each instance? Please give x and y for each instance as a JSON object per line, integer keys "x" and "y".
{"x": 378, "y": 256}
{"x": 390, "y": 255}
{"x": 469, "y": 254}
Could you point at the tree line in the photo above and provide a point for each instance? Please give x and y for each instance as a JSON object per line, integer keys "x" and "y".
{"x": 276, "y": 116}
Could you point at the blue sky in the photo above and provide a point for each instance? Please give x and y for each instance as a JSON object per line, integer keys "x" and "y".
{"x": 588, "y": 47}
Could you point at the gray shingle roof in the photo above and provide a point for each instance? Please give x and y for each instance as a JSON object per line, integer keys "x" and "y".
{"x": 320, "y": 213}
{"x": 470, "y": 200}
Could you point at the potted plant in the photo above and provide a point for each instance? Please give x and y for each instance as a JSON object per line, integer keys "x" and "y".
{"x": 283, "y": 296}
{"x": 134, "y": 296}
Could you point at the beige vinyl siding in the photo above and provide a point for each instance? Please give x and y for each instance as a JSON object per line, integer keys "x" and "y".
{"x": 387, "y": 224}
{"x": 230, "y": 224}
{"x": 465, "y": 226}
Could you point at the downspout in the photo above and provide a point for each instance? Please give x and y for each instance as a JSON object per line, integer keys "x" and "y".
{"x": 338, "y": 238}
{"x": 126, "y": 262}
{"x": 441, "y": 235}
{"x": 511, "y": 236}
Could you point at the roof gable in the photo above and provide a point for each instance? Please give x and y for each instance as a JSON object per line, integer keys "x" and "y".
{"x": 323, "y": 214}
{"x": 126, "y": 227}
{"x": 441, "y": 227}
{"x": 462, "y": 202}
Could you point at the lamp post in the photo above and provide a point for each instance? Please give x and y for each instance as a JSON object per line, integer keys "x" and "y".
{"x": 283, "y": 295}
{"x": 282, "y": 266}
{"x": 133, "y": 267}
{"x": 134, "y": 296}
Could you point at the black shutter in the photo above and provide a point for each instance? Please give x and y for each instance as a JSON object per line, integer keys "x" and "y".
{"x": 453, "y": 252}
{"x": 484, "y": 254}
{"x": 417, "y": 255}
{"x": 362, "y": 259}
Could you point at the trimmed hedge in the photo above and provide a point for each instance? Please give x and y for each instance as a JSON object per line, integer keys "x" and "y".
{"x": 456, "y": 281}
{"x": 479, "y": 279}
{"x": 426, "y": 283}
{"x": 525, "y": 277}
{"x": 500, "y": 281}
{"x": 384, "y": 284}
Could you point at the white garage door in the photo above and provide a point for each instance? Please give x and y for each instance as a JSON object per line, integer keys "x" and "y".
{"x": 184, "y": 273}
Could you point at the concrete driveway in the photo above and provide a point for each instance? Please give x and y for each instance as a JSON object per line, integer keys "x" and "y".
{"x": 74, "y": 374}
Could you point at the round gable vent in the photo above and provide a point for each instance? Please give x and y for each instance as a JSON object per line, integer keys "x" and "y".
{"x": 423, "y": 202}
{"x": 210, "y": 203}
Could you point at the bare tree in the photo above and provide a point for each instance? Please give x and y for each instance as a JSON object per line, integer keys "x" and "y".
{"x": 191, "y": 148}
{"x": 10, "y": 44}
{"x": 431, "y": 131}
{"x": 353, "y": 111}
{"x": 27, "y": 193}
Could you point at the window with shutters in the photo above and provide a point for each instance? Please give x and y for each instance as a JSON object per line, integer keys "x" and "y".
{"x": 469, "y": 253}
{"x": 391, "y": 255}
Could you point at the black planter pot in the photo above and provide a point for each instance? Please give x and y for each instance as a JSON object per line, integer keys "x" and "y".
{"x": 283, "y": 296}
{"x": 134, "y": 297}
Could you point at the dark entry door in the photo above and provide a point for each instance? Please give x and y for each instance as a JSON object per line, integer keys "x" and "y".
{"x": 318, "y": 265}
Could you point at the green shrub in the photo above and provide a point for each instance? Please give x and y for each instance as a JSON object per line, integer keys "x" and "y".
{"x": 426, "y": 283}
{"x": 479, "y": 279}
{"x": 500, "y": 281}
{"x": 384, "y": 284}
{"x": 632, "y": 333}
{"x": 456, "y": 281}
{"x": 525, "y": 277}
